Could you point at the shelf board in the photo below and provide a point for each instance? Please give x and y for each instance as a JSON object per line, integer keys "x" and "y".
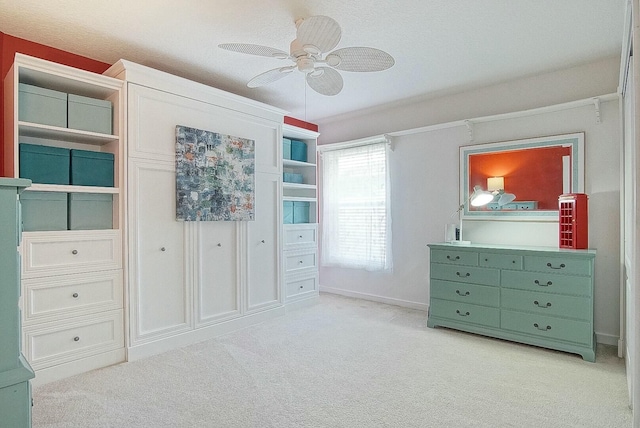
{"x": 298, "y": 199}
{"x": 289, "y": 162}
{"x": 37, "y": 187}
{"x": 28, "y": 129}
{"x": 286, "y": 185}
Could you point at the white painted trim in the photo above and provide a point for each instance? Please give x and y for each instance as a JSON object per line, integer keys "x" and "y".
{"x": 82, "y": 365}
{"x": 312, "y": 300}
{"x": 607, "y": 339}
{"x": 375, "y": 298}
{"x": 354, "y": 143}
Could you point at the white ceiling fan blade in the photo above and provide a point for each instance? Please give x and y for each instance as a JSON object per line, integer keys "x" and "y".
{"x": 360, "y": 59}
{"x": 259, "y": 50}
{"x": 325, "y": 81}
{"x": 319, "y": 31}
{"x": 269, "y": 76}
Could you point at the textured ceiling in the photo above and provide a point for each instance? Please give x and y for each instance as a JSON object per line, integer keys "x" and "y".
{"x": 439, "y": 46}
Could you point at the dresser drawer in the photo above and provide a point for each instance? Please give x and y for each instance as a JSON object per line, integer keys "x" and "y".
{"x": 55, "y": 253}
{"x": 547, "y": 282}
{"x": 296, "y": 236}
{"x": 467, "y": 274}
{"x": 462, "y": 312}
{"x": 547, "y": 303}
{"x": 501, "y": 261}
{"x": 548, "y": 327}
{"x": 55, "y": 343}
{"x": 71, "y": 295}
{"x": 562, "y": 265}
{"x": 298, "y": 286}
{"x": 465, "y": 293}
{"x": 295, "y": 261}
{"x": 466, "y": 258}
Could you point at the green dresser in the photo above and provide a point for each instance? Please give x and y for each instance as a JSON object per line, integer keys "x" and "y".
{"x": 15, "y": 372}
{"x": 535, "y": 295}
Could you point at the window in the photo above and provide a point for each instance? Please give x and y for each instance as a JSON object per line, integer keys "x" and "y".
{"x": 356, "y": 220}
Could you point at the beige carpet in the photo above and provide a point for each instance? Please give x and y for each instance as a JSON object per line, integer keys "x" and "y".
{"x": 345, "y": 363}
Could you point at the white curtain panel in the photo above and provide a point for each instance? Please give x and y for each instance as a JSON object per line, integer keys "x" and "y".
{"x": 356, "y": 215}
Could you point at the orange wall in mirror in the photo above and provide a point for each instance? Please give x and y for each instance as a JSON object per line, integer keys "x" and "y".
{"x": 531, "y": 174}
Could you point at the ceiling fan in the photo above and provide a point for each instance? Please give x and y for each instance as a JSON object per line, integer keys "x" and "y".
{"x": 315, "y": 36}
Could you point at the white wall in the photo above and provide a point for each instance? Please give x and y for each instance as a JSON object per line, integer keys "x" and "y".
{"x": 424, "y": 186}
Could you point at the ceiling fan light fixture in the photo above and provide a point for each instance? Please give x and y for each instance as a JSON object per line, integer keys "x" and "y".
{"x": 306, "y": 65}
{"x": 312, "y": 50}
{"x": 333, "y": 60}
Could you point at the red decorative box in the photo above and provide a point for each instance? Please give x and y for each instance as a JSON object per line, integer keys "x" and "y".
{"x": 574, "y": 221}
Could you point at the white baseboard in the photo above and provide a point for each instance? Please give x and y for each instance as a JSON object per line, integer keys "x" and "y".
{"x": 376, "y": 298}
{"x": 61, "y": 371}
{"x": 607, "y": 339}
{"x": 302, "y": 303}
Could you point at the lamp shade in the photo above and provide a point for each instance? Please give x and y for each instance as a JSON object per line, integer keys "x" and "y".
{"x": 495, "y": 183}
{"x": 480, "y": 197}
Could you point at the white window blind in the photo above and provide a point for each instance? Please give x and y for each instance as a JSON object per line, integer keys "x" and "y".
{"x": 356, "y": 220}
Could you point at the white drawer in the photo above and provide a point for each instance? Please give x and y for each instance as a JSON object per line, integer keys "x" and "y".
{"x": 300, "y": 286}
{"x": 50, "y": 344}
{"x": 296, "y": 261}
{"x": 71, "y": 295}
{"x": 296, "y": 236}
{"x": 58, "y": 253}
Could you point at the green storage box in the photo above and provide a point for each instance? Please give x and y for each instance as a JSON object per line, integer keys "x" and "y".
{"x": 301, "y": 212}
{"x": 287, "y": 212}
{"x": 41, "y": 105}
{"x": 44, "y": 164}
{"x": 298, "y": 150}
{"x": 90, "y": 114}
{"x": 90, "y": 211}
{"x": 91, "y": 168}
{"x": 286, "y": 148}
{"x": 43, "y": 211}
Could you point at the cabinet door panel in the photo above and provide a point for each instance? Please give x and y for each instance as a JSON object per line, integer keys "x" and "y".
{"x": 157, "y": 113}
{"x": 263, "y": 245}
{"x": 217, "y": 270}
{"x": 160, "y": 298}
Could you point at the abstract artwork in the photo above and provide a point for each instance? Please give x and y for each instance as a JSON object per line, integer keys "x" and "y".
{"x": 215, "y": 176}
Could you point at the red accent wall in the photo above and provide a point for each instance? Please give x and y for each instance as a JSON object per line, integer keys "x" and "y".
{"x": 531, "y": 175}
{"x": 10, "y": 45}
{"x": 300, "y": 123}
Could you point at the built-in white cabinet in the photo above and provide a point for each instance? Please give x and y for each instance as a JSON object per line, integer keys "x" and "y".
{"x": 72, "y": 276}
{"x": 189, "y": 281}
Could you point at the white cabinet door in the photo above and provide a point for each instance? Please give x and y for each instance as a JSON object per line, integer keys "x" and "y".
{"x": 160, "y": 298}
{"x": 156, "y": 114}
{"x": 217, "y": 277}
{"x": 263, "y": 246}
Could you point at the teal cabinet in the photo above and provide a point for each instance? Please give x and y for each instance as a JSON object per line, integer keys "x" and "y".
{"x": 538, "y": 296}
{"x": 15, "y": 372}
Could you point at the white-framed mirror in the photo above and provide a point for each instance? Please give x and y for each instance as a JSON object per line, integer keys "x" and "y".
{"x": 531, "y": 173}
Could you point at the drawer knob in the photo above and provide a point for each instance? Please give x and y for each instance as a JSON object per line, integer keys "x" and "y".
{"x": 163, "y": 249}
{"x": 74, "y": 252}
{"x": 453, "y": 258}
{"x": 299, "y": 236}
{"x": 75, "y": 295}
{"x": 300, "y": 261}
{"x": 562, "y": 265}
{"x": 543, "y": 285}
{"x": 262, "y": 241}
{"x": 463, "y": 276}
{"x": 301, "y": 287}
{"x": 466, "y": 293}
{"x": 548, "y": 305}
{"x": 540, "y": 328}
{"x": 76, "y": 339}
{"x": 466, "y": 314}
{"x": 219, "y": 244}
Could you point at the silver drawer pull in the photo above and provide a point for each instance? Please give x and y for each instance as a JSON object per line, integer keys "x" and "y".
{"x": 163, "y": 249}
{"x": 74, "y": 252}
{"x": 562, "y": 265}
{"x": 463, "y": 276}
{"x": 300, "y": 237}
{"x": 262, "y": 241}
{"x": 466, "y": 293}
{"x": 219, "y": 244}
{"x": 75, "y": 295}
{"x": 76, "y": 339}
{"x": 453, "y": 258}
{"x": 466, "y": 314}
{"x": 548, "y": 305}
{"x": 536, "y": 282}
{"x": 301, "y": 287}
{"x": 541, "y": 329}
{"x": 300, "y": 261}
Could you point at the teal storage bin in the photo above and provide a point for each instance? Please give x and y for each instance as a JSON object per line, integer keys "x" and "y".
{"x": 90, "y": 211}
{"x": 287, "y": 212}
{"x": 300, "y": 212}
{"x": 90, "y": 114}
{"x": 298, "y": 150}
{"x": 43, "y": 211}
{"x": 41, "y": 105}
{"x": 44, "y": 164}
{"x": 286, "y": 148}
{"x": 292, "y": 177}
{"x": 91, "y": 168}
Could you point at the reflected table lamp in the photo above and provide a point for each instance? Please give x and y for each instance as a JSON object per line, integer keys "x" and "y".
{"x": 478, "y": 198}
